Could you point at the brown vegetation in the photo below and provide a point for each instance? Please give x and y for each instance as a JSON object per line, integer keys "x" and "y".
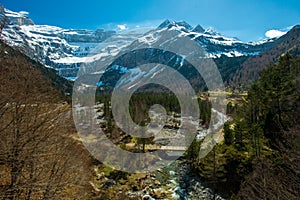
{"x": 38, "y": 157}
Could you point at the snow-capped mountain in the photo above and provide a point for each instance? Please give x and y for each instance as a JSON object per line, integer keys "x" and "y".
{"x": 154, "y": 47}
{"x": 62, "y": 49}
{"x": 65, "y": 49}
{"x": 216, "y": 44}
{"x": 50, "y": 44}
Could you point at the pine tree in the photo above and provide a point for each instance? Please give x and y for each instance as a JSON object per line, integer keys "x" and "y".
{"x": 228, "y": 134}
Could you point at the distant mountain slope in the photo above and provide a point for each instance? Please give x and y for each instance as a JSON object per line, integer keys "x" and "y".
{"x": 48, "y": 44}
{"x": 213, "y": 42}
{"x": 228, "y": 53}
{"x": 251, "y": 68}
{"x": 66, "y": 49}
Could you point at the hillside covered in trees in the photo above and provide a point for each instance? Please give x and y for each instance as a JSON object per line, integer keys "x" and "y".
{"x": 39, "y": 159}
{"x": 259, "y": 158}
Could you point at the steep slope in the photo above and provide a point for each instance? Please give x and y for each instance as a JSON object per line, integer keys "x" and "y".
{"x": 260, "y": 157}
{"x": 37, "y": 144}
{"x": 251, "y": 69}
{"x": 276, "y": 173}
{"x": 12, "y": 61}
{"x": 49, "y": 44}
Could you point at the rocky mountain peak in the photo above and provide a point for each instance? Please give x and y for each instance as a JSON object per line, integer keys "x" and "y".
{"x": 212, "y": 31}
{"x": 185, "y": 25}
{"x": 166, "y": 24}
{"x": 15, "y": 18}
{"x": 169, "y": 24}
{"x": 198, "y": 29}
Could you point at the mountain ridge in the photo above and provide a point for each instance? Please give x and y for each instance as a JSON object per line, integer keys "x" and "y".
{"x": 66, "y": 49}
{"x": 250, "y": 71}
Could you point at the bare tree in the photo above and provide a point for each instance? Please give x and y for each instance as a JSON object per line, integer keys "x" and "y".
{"x": 38, "y": 157}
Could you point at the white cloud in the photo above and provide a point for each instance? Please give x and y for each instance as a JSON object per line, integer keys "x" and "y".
{"x": 274, "y": 33}
{"x": 24, "y": 13}
{"x": 122, "y": 27}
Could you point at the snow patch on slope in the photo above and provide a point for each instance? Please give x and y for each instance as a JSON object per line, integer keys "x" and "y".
{"x": 274, "y": 33}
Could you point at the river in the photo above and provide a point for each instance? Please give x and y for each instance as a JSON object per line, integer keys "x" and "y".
{"x": 177, "y": 181}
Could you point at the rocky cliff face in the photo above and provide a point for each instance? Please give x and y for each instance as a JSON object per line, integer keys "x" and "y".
{"x": 18, "y": 18}
{"x": 49, "y": 44}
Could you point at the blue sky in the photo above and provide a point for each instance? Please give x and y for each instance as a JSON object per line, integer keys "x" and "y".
{"x": 247, "y": 20}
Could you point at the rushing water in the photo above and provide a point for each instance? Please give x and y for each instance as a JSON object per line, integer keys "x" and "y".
{"x": 217, "y": 125}
{"x": 180, "y": 182}
{"x": 188, "y": 186}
